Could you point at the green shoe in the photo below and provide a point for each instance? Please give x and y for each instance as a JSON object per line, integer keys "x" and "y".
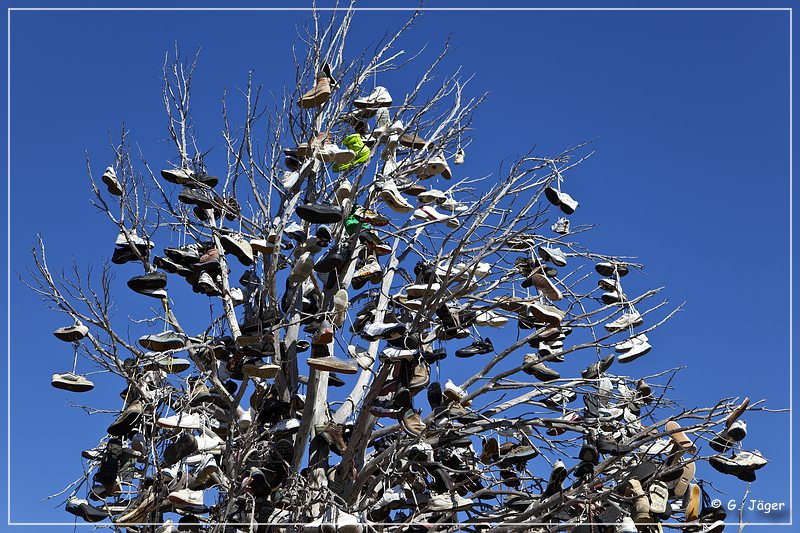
{"x": 355, "y": 143}
{"x": 351, "y": 225}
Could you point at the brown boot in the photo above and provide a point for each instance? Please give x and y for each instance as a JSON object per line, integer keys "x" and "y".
{"x": 316, "y": 96}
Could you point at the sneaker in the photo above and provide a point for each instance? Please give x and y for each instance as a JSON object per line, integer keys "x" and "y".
{"x": 380, "y": 330}
{"x": 628, "y": 344}
{"x": 429, "y": 213}
{"x": 331, "y": 153}
{"x": 432, "y": 196}
{"x": 331, "y": 260}
{"x": 238, "y": 247}
{"x": 259, "y": 368}
{"x": 491, "y": 319}
{"x": 435, "y": 395}
{"x": 742, "y": 465}
{"x": 454, "y": 392}
{"x": 126, "y": 420}
{"x": 319, "y": 213}
{"x": 71, "y": 382}
{"x": 148, "y": 282}
{"x": 448, "y": 502}
{"x": 362, "y": 153}
{"x": 611, "y": 269}
{"x": 302, "y": 268}
{"x": 553, "y": 255}
{"x": 392, "y": 197}
{"x": 679, "y": 437}
{"x": 412, "y": 423}
{"x": 627, "y": 320}
{"x": 286, "y": 426}
{"x": 112, "y": 184}
{"x": 333, "y": 434}
{"x": 186, "y": 498}
{"x": 162, "y": 342}
{"x": 545, "y": 286}
{"x": 479, "y": 347}
{"x": 368, "y": 269}
{"x": 379, "y": 97}
{"x": 692, "y": 512}
{"x": 178, "y": 176}
{"x": 181, "y": 421}
{"x": 412, "y": 140}
{"x": 539, "y": 370}
{"x": 639, "y": 347}
{"x": 83, "y": 509}
{"x": 332, "y": 364}
{"x": 560, "y": 226}
{"x": 72, "y": 333}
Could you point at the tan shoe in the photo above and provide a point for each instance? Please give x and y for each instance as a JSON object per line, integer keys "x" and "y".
{"x": 316, "y": 96}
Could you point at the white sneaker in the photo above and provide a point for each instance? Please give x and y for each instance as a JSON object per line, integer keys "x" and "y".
{"x": 186, "y": 498}
{"x": 181, "y": 420}
{"x": 421, "y": 289}
{"x": 208, "y": 442}
{"x": 379, "y": 97}
{"x": 491, "y": 319}
{"x": 391, "y": 195}
{"x": 432, "y": 196}
{"x": 454, "y": 205}
{"x": 168, "y": 527}
{"x": 639, "y": 347}
{"x": 391, "y": 497}
{"x": 290, "y": 425}
{"x": 560, "y": 226}
{"x": 453, "y": 391}
{"x": 627, "y": 320}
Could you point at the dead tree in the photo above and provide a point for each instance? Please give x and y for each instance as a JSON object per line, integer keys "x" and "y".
{"x": 377, "y": 261}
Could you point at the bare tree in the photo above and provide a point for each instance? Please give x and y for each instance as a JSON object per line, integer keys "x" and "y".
{"x": 363, "y": 267}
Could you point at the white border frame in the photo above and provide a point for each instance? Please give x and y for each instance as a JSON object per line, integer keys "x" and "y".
{"x": 9, "y": 10}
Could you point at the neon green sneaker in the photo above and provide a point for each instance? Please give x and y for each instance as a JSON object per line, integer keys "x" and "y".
{"x": 352, "y": 223}
{"x": 355, "y": 143}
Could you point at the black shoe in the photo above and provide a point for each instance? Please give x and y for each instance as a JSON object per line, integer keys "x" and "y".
{"x": 402, "y": 399}
{"x": 589, "y": 454}
{"x": 436, "y": 355}
{"x": 334, "y": 380}
{"x": 151, "y": 281}
{"x": 435, "y": 396}
{"x": 168, "y": 265}
{"x": 594, "y": 371}
{"x": 185, "y": 446}
{"x": 425, "y": 272}
{"x": 124, "y": 254}
{"x": 109, "y": 466}
{"x": 187, "y": 256}
{"x": 259, "y": 483}
{"x": 200, "y": 198}
{"x": 319, "y": 214}
{"x": 333, "y": 259}
{"x": 83, "y": 509}
{"x": 202, "y": 178}
{"x": 476, "y": 348}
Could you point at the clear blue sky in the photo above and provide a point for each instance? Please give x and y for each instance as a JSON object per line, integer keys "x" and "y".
{"x": 691, "y": 174}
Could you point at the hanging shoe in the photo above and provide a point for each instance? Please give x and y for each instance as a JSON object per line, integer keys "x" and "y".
{"x": 560, "y": 226}
{"x": 112, "y": 184}
{"x": 459, "y": 159}
{"x": 379, "y": 97}
{"x": 356, "y": 144}
{"x": 393, "y": 198}
{"x": 317, "y": 96}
